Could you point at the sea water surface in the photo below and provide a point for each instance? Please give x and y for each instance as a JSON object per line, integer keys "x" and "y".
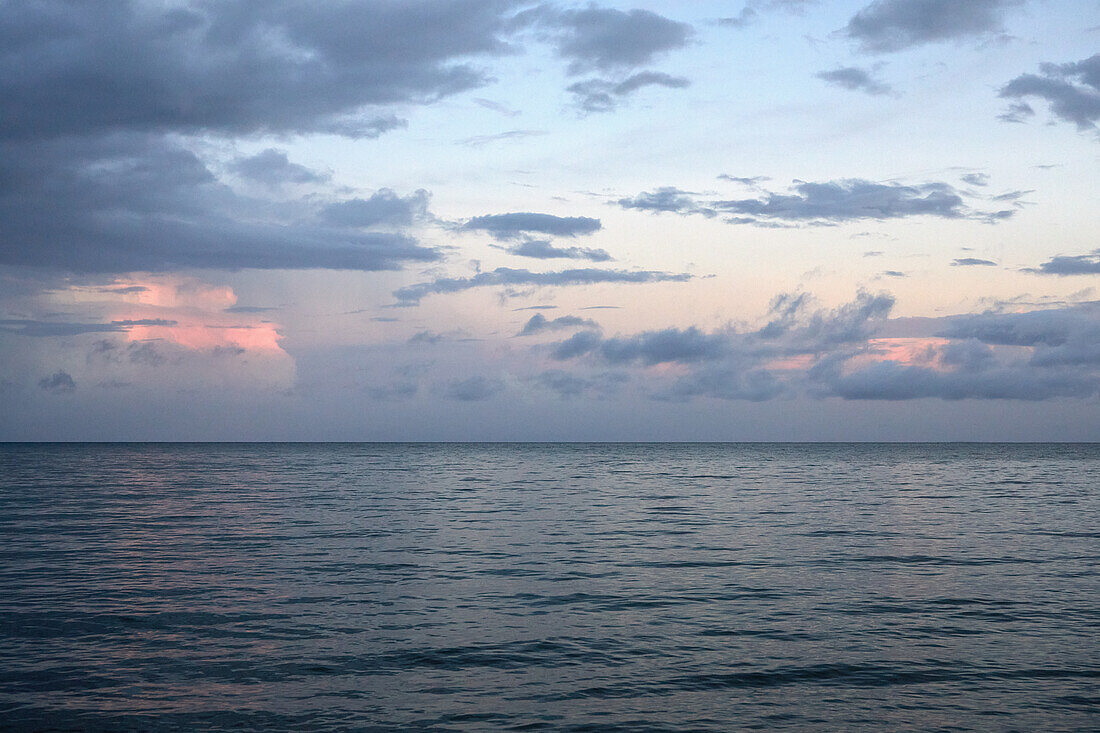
{"x": 576, "y": 587}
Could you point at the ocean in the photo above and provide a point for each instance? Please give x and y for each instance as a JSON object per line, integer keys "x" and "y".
{"x": 572, "y": 587}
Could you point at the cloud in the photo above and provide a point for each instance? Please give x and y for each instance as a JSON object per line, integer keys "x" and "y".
{"x": 127, "y": 203}
{"x": 744, "y": 180}
{"x": 540, "y": 323}
{"x": 384, "y": 208}
{"x": 745, "y": 18}
{"x": 737, "y": 365}
{"x": 479, "y": 140}
{"x": 541, "y": 249}
{"x": 474, "y": 389}
{"x": 824, "y": 202}
{"x": 604, "y": 95}
{"x": 972, "y": 262}
{"x": 855, "y": 79}
{"x": 249, "y": 309}
{"x": 144, "y": 353}
{"x": 60, "y": 382}
{"x": 649, "y": 348}
{"x": 893, "y": 25}
{"x": 1017, "y": 112}
{"x": 975, "y": 179}
{"x": 272, "y": 168}
{"x": 726, "y": 383}
{"x": 891, "y": 381}
{"x": 510, "y": 226}
{"x": 136, "y": 352}
{"x": 54, "y": 328}
{"x": 426, "y": 337}
{"x": 848, "y": 352}
{"x": 58, "y": 328}
{"x": 1071, "y": 265}
{"x": 666, "y": 198}
{"x": 101, "y": 106}
{"x": 1032, "y": 328}
{"x": 753, "y": 8}
{"x": 851, "y": 199}
{"x": 568, "y": 385}
{"x": 496, "y": 107}
{"x": 412, "y": 294}
{"x": 399, "y": 390}
{"x": 1072, "y": 90}
{"x": 272, "y": 67}
{"x": 612, "y": 43}
{"x": 606, "y": 39}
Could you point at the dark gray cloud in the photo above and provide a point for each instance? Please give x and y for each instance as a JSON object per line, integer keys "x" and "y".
{"x": 568, "y": 385}
{"x": 604, "y": 95}
{"x": 848, "y": 352}
{"x": 60, "y": 382}
{"x": 744, "y": 180}
{"x": 272, "y": 168}
{"x": 1051, "y": 353}
{"x": 474, "y": 389}
{"x": 1071, "y": 265}
{"x": 137, "y": 352}
{"x": 539, "y": 323}
{"x": 98, "y": 106}
{"x": 383, "y": 209}
{"x": 972, "y": 262}
{"x": 1072, "y": 90}
{"x": 1017, "y": 112}
{"x": 1033, "y": 328}
{"x": 745, "y": 18}
{"x": 851, "y": 199}
{"x": 426, "y": 337}
{"x": 648, "y": 348}
{"x": 855, "y": 79}
{"x": 249, "y": 309}
{"x": 849, "y": 323}
{"x": 824, "y": 202}
{"x": 975, "y": 179}
{"x": 412, "y": 294}
{"x": 511, "y": 226}
{"x": 892, "y": 381}
{"x": 784, "y": 313}
{"x": 125, "y": 289}
{"x": 893, "y": 25}
{"x": 59, "y": 328}
{"x": 737, "y": 365}
{"x": 124, "y": 203}
{"x": 279, "y": 66}
{"x": 754, "y": 8}
{"x": 54, "y": 328}
{"x": 666, "y": 198}
{"x": 144, "y": 353}
{"x": 606, "y": 39}
{"x": 726, "y": 383}
{"x": 542, "y": 249}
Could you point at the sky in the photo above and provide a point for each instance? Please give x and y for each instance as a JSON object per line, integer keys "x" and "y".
{"x": 493, "y": 220}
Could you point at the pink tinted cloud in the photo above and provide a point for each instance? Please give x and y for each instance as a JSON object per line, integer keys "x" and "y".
{"x": 188, "y": 312}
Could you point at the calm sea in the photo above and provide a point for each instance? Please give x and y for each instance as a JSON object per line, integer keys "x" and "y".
{"x": 550, "y": 587}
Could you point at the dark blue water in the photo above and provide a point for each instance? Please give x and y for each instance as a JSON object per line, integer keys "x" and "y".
{"x": 550, "y": 587}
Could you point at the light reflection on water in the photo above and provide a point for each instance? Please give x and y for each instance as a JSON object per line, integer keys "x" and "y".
{"x": 629, "y": 587}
